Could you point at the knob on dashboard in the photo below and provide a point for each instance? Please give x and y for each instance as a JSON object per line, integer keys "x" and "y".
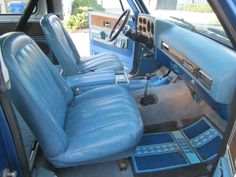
{"x": 140, "y": 20}
{"x": 140, "y": 28}
{"x": 152, "y": 28}
{"x": 148, "y": 26}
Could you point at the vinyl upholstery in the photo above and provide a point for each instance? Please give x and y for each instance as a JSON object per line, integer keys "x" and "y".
{"x": 66, "y": 53}
{"x": 90, "y": 80}
{"x": 99, "y": 125}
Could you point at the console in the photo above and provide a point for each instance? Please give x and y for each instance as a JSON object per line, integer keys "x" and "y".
{"x": 83, "y": 82}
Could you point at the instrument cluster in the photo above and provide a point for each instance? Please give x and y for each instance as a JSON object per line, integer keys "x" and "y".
{"x": 146, "y": 25}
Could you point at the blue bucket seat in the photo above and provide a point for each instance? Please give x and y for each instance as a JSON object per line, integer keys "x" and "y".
{"x": 98, "y": 125}
{"x": 66, "y": 53}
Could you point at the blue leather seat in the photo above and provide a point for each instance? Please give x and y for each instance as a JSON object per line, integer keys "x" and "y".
{"x": 66, "y": 53}
{"x": 98, "y": 125}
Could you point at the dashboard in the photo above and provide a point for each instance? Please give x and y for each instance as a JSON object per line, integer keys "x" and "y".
{"x": 210, "y": 65}
{"x": 206, "y": 66}
{"x": 202, "y": 76}
{"x": 146, "y": 25}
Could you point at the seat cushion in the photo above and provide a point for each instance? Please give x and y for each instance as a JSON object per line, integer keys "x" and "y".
{"x": 104, "y": 61}
{"x": 38, "y": 91}
{"x": 98, "y": 125}
{"x": 101, "y": 124}
{"x": 61, "y": 43}
{"x": 66, "y": 53}
{"x": 91, "y": 80}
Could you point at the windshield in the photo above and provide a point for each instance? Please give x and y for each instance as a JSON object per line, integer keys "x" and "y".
{"x": 196, "y": 15}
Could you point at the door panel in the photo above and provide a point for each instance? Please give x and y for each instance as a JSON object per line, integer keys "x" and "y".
{"x": 100, "y": 25}
{"x": 227, "y": 164}
{"x": 232, "y": 149}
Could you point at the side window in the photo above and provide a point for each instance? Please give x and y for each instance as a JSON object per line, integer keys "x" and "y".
{"x": 76, "y": 11}
{"x": 113, "y": 6}
{"x": 13, "y": 6}
{"x": 82, "y": 6}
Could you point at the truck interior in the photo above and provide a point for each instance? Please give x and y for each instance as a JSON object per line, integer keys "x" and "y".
{"x": 155, "y": 98}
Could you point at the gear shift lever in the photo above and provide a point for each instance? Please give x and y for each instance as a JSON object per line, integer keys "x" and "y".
{"x": 148, "y": 77}
{"x": 147, "y": 99}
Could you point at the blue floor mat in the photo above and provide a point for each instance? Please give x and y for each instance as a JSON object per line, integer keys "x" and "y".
{"x": 198, "y": 143}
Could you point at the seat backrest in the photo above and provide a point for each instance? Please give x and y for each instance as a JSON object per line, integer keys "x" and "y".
{"x": 61, "y": 43}
{"x": 38, "y": 91}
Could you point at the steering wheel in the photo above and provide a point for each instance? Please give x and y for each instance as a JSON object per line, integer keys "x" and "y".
{"x": 115, "y": 32}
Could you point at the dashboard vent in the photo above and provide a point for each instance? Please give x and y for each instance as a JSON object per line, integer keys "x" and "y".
{"x": 205, "y": 79}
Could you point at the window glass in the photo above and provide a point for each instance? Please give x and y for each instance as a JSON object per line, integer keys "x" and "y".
{"x": 78, "y": 6}
{"x": 76, "y": 11}
{"x": 13, "y": 7}
{"x": 113, "y": 6}
{"x": 196, "y": 15}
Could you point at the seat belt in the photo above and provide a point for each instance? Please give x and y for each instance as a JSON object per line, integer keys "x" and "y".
{"x": 50, "y": 6}
{"x": 26, "y": 15}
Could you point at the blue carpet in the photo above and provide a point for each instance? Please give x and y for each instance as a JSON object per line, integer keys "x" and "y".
{"x": 198, "y": 143}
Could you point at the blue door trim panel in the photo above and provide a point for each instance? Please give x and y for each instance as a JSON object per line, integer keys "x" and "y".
{"x": 99, "y": 44}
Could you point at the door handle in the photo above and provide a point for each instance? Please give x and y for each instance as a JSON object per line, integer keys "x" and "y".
{"x": 107, "y": 24}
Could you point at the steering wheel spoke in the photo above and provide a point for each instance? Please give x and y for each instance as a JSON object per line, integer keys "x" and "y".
{"x": 120, "y": 24}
